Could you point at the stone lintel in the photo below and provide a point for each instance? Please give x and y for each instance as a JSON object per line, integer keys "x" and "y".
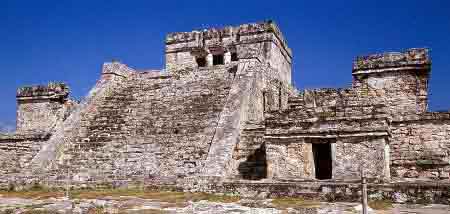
{"x": 414, "y": 58}
{"x": 326, "y": 135}
{"x": 23, "y": 136}
{"x": 51, "y": 91}
{"x": 233, "y": 33}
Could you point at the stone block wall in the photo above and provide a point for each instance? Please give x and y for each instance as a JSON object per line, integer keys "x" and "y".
{"x": 155, "y": 125}
{"x": 268, "y": 93}
{"x": 420, "y": 147}
{"x": 398, "y": 80}
{"x": 352, "y": 125}
{"x": 16, "y": 152}
{"x": 293, "y": 159}
{"x": 388, "y": 100}
{"x": 245, "y": 155}
{"x": 261, "y": 41}
{"x": 39, "y": 108}
{"x": 368, "y": 152}
{"x": 290, "y": 160}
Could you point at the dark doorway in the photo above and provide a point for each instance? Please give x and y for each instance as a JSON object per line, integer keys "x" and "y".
{"x": 201, "y": 61}
{"x": 255, "y": 167}
{"x": 218, "y": 59}
{"x": 234, "y": 57}
{"x": 322, "y": 160}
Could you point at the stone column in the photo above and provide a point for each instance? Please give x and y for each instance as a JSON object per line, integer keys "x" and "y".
{"x": 209, "y": 60}
{"x": 227, "y": 58}
{"x": 333, "y": 160}
{"x": 387, "y": 160}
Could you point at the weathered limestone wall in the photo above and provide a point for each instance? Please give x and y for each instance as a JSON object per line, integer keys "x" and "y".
{"x": 420, "y": 147}
{"x": 354, "y": 126}
{"x": 239, "y": 109}
{"x": 290, "y": 160}
{"x": 267, "y": 93}
{"x": 153, "y": 124}
{"x": 398, "y": 80}
{"x": 262, "y": 41}
{"x": 293, "y": 159}
{"x": 368, "y": 152}
{"x": 402, "y": 92}
{"x": 386, "y": 87}
{"x": 246, "y": 155}
{"x": 48, "y": 162}
{"x": 39, "y": 108}
{"x": 16, "y": 152}
{"x": 281, "y": 60}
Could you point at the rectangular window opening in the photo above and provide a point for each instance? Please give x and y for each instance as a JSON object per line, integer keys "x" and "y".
{"x": 218, "y": 59}
{"x": 234, "y": 57}
{"x": 201, "y": 61}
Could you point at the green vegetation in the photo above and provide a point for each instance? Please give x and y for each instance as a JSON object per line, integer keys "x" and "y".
{"x": 36, "y": 211}
{"x": 380, "y": 204}
{"x": 32, "y": 194}
{"x": 163, "y": 196}
{"x": 146, "y": 211}
{"x": 96, "y": 210}
{"x": 291, "y": 202}
{"x": 7, "y": 211}
{"x": 424, "y": 162}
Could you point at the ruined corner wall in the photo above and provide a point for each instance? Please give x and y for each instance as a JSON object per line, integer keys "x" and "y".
{"x": 16, "y": 152}
{"x": 398, "y": 80}
{"x": 39, "y": 108}
{"x": 267, "y": 93}
{"x": 352, "y": 125}
{"x": 420, "y": 147}
{"x": 293, "y": 159}
{"x": 47, "y": 164}
{"x": 419, "y": 142}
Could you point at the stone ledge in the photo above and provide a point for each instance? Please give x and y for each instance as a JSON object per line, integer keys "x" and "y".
{"x": 427, "y": 116}
{"x": 415, "y": 57}
{"x": 23, "y": 136}
{"x": 324, "y": 134}
{"x": 229, "y": 31}
{"x": 399, "y": 192}
{"x": 50, "y": 91}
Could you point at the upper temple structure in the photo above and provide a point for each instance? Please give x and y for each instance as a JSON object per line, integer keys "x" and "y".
{"x": 223, "y": 113}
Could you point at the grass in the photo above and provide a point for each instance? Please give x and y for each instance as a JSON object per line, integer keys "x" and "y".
{"x": 380, "y": 204}
{"x": 167, "y": 198}
{"x": 146, "y": 211}
{"x": 35, "y": 211}
{"x": 32, "y": 194}
{"x": 163, "y": 196}
{"x": 290, "y": 202}
{"x": 96, "y": 210}
{"x": 7, "y": 211}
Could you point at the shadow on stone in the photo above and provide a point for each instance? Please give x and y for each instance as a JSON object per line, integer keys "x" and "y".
{"x": 255, "y": 167}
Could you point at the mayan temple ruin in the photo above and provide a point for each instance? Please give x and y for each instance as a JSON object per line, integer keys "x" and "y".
{"x": 224, "y": 116}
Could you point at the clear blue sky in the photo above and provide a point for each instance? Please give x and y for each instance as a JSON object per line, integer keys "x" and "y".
{"x": 68, "y": 41}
